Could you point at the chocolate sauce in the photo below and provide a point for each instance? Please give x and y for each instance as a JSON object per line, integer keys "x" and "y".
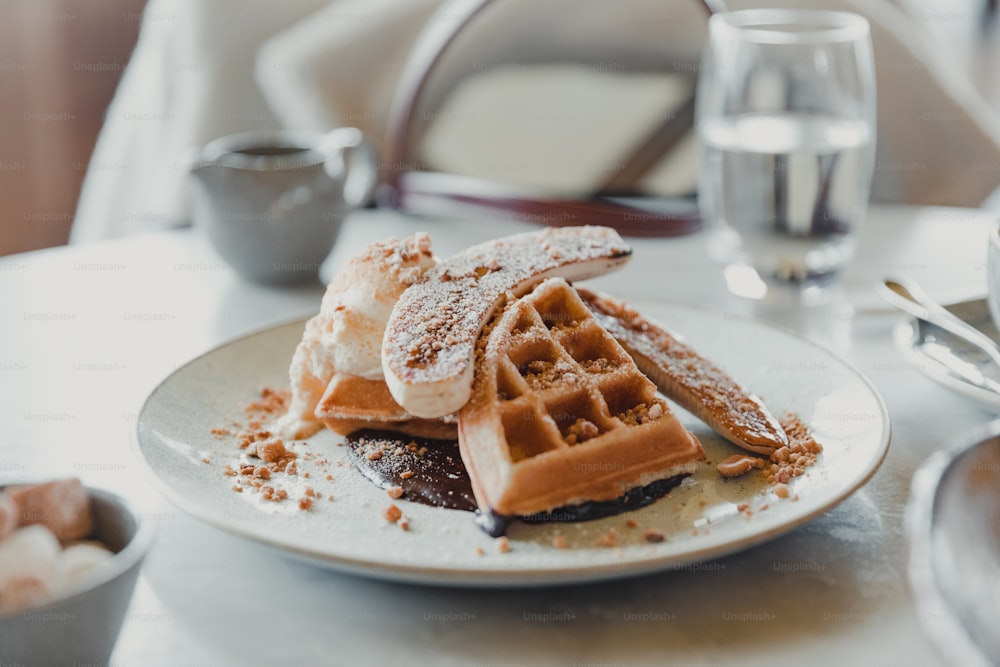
{"x": 438, "y": 473}
{"x": 439, "y": 479}
{"x": 496, "y": 525}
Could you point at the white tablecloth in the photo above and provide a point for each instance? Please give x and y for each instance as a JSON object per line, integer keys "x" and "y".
{"x": 88, "y": 330}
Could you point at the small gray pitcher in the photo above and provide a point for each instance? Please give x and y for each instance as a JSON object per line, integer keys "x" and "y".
{"x": 273, "y": 202}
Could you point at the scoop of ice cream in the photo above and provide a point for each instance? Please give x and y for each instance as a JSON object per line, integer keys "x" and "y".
{"x": 346, "y": 336}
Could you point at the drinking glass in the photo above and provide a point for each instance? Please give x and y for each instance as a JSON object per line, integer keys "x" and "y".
{"x": 786, "y": 124}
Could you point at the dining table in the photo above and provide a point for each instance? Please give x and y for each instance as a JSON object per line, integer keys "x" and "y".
{"x": 87, "y": 331}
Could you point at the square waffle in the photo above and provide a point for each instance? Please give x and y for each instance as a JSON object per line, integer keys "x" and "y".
{"x": 559, "y": 413}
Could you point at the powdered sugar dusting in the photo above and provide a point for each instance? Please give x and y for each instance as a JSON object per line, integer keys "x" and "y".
{"x": 432, "y": 333}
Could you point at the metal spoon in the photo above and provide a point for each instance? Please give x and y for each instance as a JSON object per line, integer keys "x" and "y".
{"x": 908, "y": 296}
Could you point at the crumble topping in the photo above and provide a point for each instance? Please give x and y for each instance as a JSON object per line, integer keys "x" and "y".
{"x": 739, "y": 464}
{"x": 609, "y": 539}
{"x": 654, "y": 536}
{"x": 784, "y": 463}
{"x": 392, "y": 513}
{"x": 450, "y": 302}
{"x": 267, "y": 463}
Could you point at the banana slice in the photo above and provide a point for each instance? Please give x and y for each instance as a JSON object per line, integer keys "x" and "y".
{"x": 695, "y": 383}
{"x": 427, "y": 351}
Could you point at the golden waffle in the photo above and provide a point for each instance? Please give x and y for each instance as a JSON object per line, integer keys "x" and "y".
{"x": 351, "y": 403}
{"x": 560, "y": 414}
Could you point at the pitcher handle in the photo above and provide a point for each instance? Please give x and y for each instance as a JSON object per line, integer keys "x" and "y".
{"x": 350, "y": 154}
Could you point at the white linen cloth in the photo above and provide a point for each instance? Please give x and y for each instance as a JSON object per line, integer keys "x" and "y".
{"x": 546, "y": 92}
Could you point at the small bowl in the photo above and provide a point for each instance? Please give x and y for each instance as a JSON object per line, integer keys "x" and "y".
{"x": 953, "y": 525}
{"x": 82, "y": 628}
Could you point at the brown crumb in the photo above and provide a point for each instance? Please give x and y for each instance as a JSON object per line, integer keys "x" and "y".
{"x": 632, "y": 523}
{"x": 792, "y": 461}
{"x": 291, "y": 468}
{"x": 247, "y": 470}
{"x": 609, "y": 539}
{"x": 743, "y": 507}
{"x": 781, "y": 490}
{"x": 394, "y": 492}
{"x": 273, "y": 451}
{"x": 404, "y": 523}
{"x": 374, "y": 456}
{"x": 305, "y": 502}
{"x": 392, "y": 513}
{"x": 480, "y": 551}
{"x": 652, "y": 535}
{"x": 228, "y": 471}
{"x": 262, "y": 473}
{"x": 329, "y": 478}
{"x": 559, "y": 542}
{"x": 221, "y": 432}
{"x": 205, "y": 459}
{"x": 738, "y": 464}
{"x": 580, "y": 431}
{"x": 406, "y": 474}
{"x": 237, "y": 488}
{"x": 503, "y": 545}
{"x": 280, "y": 494}
{"x": 310, "y": 492}
{"x": 272, "y": 402}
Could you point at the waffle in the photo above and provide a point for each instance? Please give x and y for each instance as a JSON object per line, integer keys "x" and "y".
{"x": 684, "y": 376}
{"x": 559, "y": 413}
{"x": 351, "y": 403}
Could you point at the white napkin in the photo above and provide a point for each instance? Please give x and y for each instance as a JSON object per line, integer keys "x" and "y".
{"x": 550, "y": 93}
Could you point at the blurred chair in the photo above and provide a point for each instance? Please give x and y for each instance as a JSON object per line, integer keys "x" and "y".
{"x": 60, "y": 61}
{"x": 514, "y": 100}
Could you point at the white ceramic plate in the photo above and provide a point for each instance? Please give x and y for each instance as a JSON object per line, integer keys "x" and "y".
{"x": 700, "y": 518}
{"x": 950, "y": 361}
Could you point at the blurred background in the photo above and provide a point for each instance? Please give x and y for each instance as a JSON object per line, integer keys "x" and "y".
{"x": 61, "y": 60}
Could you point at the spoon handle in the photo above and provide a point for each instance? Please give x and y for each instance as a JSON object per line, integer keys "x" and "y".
{"x": 917, "y": 303}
